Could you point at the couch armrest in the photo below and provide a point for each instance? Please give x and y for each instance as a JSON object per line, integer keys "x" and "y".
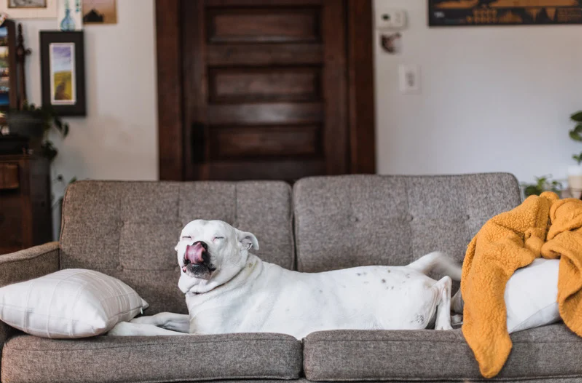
{"x": 24, "y": 265}
{"x": 29, "y": 263}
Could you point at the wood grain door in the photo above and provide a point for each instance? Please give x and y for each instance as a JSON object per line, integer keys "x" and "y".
{"x": 264, "y": 89}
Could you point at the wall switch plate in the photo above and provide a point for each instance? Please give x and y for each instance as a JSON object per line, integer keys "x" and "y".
{"x": 409, "y": 79}
{"x": 390, "y": 18}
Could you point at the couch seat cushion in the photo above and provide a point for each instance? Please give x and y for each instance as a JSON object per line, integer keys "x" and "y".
{"x": 151, "y": 359}
{"x": 550, "y": 351}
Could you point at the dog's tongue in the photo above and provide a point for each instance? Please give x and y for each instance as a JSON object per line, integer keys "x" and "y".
{"x": 194, "y": 253}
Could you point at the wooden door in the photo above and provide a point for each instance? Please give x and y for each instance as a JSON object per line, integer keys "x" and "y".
{"x": 264, "y": 89}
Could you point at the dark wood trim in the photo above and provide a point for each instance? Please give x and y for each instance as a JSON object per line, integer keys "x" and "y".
{"x": 170, "y": 113}
{"x": 360, "y": 83}
{"x": 361, "y": 102}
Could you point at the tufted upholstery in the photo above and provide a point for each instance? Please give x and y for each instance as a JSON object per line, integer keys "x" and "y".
{"x": 129, "y": 229}
{"x": 348, "y": 221}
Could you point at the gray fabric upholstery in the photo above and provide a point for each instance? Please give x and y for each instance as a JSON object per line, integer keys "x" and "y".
{"x": 551, "y": 351}
{"x": 348, "y": 221}
{"x": 28, "y": 264}
{"x": 151, "y": 359}
{"x": 129, "y": 229}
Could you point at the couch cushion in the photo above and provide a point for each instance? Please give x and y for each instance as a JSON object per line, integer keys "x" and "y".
{"x": 151, "y": 359}
{"x": 550, "y": 351}
{"x": 349, "y": 221}
{"x": 129, "y": 229}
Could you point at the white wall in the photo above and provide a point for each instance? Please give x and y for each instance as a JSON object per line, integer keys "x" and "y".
{"x": 493, "y": 98}
{"x": 117, "y": 140}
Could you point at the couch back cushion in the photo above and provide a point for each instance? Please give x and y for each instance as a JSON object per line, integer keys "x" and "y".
{"x": 129, "y": 229}
{"x": 349, "y": 221}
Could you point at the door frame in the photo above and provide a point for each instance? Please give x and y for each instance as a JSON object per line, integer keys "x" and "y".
{"x": 360, "y": 81}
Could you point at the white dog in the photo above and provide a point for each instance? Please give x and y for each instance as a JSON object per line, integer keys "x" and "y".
{"x": 229, "y": 290}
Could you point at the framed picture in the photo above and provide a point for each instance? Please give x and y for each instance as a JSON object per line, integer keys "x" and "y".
{"x": 99, "y": 12}
{"x": 29, "y": 9}
{"x": 503, "y": 12}
{"x": 63, "y": 72}
{"x": 8, "y": 91}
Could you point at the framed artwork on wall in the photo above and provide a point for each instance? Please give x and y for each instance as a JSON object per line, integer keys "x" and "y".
{"x": 63, "y": 72}
{"x": 503, "y": 12}
{"x": 29, "y": 9}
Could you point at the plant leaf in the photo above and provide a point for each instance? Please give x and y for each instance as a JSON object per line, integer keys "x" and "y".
{"x": 577, "y": 116}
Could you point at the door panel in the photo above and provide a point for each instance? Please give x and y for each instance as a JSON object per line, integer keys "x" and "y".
{"x": 264, "y": 89}
{"x": 268, "y": 84}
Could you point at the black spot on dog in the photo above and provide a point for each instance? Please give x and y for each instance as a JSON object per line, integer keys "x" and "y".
{"x": 383, "y": 281}
{"x": 358, "y": 274}
{"x": 388, "y": 270}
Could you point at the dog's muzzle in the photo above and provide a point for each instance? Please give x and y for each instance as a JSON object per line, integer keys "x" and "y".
{"x": 197, "y": 261}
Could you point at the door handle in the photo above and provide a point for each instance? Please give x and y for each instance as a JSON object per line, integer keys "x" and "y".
{"x": 198, "y": 143}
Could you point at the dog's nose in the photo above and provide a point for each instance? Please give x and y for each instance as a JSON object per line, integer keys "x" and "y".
{"x": 194, "y": 253}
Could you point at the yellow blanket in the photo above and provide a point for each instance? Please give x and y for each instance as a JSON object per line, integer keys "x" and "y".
{"x": 541, "y": 226}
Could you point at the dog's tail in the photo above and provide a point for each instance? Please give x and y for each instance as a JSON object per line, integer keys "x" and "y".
{"x": 440, "y": 262}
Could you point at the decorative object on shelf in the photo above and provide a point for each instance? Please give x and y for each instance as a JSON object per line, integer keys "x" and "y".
{"x": 63, "y": 72}
{"x": 34, "y": 124}
{"x": 29, "y": 9}
{"x": 21, "y": 53}
{"x": 575, "y": 171}
{"x": 70, "y": 16}
{"x": 543, "y": 183}
{"x": 503, "y": 12}
{"x": 99, "y": 12}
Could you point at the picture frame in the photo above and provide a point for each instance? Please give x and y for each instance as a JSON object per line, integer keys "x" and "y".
{"x": 46, "y": 9}
{"x": 462, "y": 13}
{"x": 8, "y": 71}
{"x": 63, "y": 72}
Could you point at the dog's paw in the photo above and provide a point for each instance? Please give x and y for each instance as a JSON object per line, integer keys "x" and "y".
{"x": 151, "y": 320}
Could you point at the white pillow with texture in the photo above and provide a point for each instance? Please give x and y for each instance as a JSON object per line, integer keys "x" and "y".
{"x": 71, "y": 303}
{"x": 531, "y": 296}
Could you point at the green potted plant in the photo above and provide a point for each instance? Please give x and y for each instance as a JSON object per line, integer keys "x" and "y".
{"x": 575, "y": 171}
{"x": 542, "y": 184}
{"x": 35, "y": 124}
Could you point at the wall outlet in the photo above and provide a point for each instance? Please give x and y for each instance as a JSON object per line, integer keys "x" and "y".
{"x": 390, "y": 18}
{"x": 409, "y": 79}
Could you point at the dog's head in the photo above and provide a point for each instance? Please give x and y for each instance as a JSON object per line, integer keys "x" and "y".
{"x": 210, "y": 253}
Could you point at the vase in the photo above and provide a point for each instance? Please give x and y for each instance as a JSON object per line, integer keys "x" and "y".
{"x": 67, "y": 24}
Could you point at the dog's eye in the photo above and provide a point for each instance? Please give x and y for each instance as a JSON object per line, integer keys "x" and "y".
{"x": 186, "y": 237}
{"x": 215, "y": 238}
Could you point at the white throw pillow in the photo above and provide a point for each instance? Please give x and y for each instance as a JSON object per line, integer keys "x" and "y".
{"x": 531, "y": 296}
{"x": 71, "y": 303}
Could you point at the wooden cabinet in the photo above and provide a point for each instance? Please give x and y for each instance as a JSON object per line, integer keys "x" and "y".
{"x": 25, "y": 202}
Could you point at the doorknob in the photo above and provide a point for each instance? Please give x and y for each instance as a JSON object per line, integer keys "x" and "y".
{"x": 198, "y": 142}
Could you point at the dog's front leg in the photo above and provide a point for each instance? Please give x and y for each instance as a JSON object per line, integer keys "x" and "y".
{"x": 138, "y": 329}
{"x": 168, "y": 321}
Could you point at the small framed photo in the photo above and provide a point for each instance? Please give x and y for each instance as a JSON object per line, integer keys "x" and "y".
{"x": 99, "y": 12}
{"x": 63, "y": 72}
{"x": 29, "y": 9}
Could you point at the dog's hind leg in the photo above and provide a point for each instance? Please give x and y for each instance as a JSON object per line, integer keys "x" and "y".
{"x": 443, "y": 317}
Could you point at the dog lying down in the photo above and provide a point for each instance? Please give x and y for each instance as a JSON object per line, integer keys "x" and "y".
{"x": 230, "y": 290}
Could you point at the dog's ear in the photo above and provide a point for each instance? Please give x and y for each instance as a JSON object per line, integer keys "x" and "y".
{"x": 247, "y": 240}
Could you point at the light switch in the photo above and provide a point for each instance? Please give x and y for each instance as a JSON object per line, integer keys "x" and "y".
{"x": 390, "y": 18}
{"x": 409, "y": 79}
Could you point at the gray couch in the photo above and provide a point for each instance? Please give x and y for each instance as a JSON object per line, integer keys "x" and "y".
{"x": 128, "y": 230}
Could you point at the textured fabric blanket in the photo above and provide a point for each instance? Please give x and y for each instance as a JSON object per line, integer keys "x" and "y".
{"x": 543, "y": 226}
